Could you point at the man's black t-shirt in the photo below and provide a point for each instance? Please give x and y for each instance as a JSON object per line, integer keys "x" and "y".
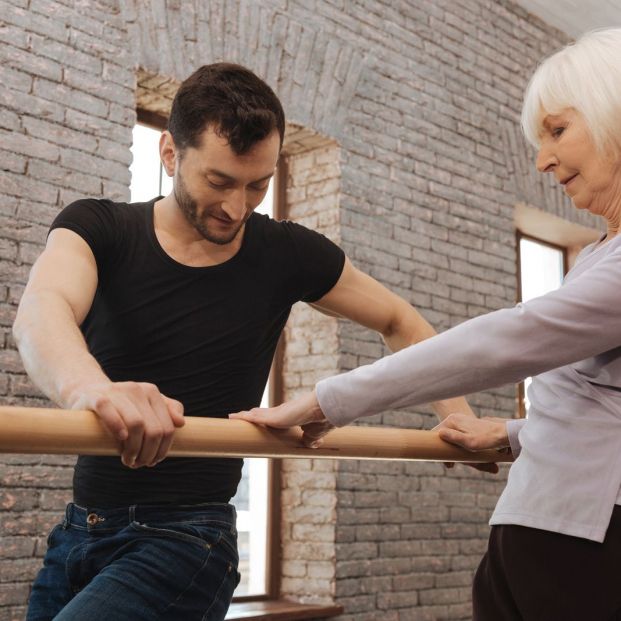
{"x": 203, "y": 335}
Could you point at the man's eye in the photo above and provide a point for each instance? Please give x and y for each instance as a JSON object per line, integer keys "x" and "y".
{"x": 218, "y": 186}
{"x": 259, "y": 188}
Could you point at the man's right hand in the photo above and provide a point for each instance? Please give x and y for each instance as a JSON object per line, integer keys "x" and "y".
{"x": 137, "y": 414}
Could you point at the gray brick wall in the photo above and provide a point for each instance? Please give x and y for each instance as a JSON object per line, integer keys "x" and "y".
{"x": 423, "y": 100}
{"x": 309, "y": 498}
{"x": 66, "y": 113}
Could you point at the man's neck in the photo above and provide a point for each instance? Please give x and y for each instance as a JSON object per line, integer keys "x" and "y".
{"x": 181, "y": 241}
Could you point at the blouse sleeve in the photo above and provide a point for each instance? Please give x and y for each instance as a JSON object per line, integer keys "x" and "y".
{"x": 577, "y": 321}
{"x": 514, "y": 427}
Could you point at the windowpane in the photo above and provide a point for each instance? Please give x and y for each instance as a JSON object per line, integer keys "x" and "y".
{"x": 267, "y": 204}
{"x": 251, "y": 500}
{"x": 148, "y": 176}
{"x": 251, "y": 504}
{"x": 166, "y": 183}
{"x": 541, "y": 268}
{"x": 541, "y": 271}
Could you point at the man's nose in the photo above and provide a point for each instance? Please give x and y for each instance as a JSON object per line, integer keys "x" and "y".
{"x": 235, "y": 205}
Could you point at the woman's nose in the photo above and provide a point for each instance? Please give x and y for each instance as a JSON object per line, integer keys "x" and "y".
{"x": 546, "y": 160}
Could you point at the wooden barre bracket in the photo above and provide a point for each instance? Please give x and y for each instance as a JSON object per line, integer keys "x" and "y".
{"x": 69, "y": 432}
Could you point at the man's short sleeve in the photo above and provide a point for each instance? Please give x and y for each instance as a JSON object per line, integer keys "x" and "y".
{"x": 94, "y": 221}
{"x": 320, "y": 262}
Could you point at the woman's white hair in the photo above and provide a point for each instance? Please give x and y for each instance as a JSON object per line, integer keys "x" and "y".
{"x": 586, "y": 76}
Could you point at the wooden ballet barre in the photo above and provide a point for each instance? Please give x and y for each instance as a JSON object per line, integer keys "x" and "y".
{"x": 72, "y": 432}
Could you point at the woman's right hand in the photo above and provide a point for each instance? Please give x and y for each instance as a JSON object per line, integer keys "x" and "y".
{"x": 303, "y": 411}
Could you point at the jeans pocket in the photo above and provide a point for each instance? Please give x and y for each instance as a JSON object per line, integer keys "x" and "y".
{"x": 228, "y": 542}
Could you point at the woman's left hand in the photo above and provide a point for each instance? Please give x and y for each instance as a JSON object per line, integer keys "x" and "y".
{"x": 474, "y": 434}
{"x": 303, "y": 411}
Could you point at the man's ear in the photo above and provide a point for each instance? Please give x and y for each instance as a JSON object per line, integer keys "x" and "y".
{"x": 169, "y": 153}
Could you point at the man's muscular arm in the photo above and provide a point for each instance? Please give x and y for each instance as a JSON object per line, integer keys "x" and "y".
{"x": 57, "y": 298}
{"x": 362, "y": 299}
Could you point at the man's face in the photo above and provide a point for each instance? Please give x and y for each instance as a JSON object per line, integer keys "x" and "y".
{"x": 217, "y": 190}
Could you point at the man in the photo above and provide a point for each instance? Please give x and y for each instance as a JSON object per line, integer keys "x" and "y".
{"x": 149, "y": 312}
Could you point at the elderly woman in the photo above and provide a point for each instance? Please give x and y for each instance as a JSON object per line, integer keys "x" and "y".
{"x": 555, "y": 546}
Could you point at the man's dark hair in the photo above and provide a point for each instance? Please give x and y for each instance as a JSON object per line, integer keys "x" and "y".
{"x": 236, "y": 103}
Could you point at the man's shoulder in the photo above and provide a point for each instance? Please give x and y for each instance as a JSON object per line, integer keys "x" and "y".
{"x": 120, "y": 207}
{"x": 103, "y": 209}
{"x": 280, "y": 230}
{"x": 102, "y": 221}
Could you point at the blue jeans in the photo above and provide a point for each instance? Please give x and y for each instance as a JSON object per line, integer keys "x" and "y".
{"x": 139, "y": 563}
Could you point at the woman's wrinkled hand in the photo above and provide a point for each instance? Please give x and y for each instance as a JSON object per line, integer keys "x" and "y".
{"x": 303, "y": 412}
{"x": 475, "y": 434}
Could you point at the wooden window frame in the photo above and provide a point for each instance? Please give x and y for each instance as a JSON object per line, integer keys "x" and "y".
{"x": 151, "y": 119}
{"x": 270, "y": 607}
{"x": 276, "y": 397}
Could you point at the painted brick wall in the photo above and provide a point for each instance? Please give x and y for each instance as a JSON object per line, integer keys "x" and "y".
{"x": 66, "y": 113}
{"x": 423, "y": 99}
{"x": 308, "y": 516}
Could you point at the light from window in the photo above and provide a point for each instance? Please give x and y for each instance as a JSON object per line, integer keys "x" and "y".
{"x": 148, "y": 180}
{"x": 251, "y": 499}
{"x": 541, "y": 268}
{"x": 267, "y": 205}
{"x": 541, "y": 271}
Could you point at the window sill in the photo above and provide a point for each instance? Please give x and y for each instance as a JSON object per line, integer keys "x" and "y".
{"x": 279, "y": 610}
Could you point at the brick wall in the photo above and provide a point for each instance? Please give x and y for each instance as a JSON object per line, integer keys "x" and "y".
{"x": 308, "y": 517}
{"x": 66, "y": 113}
{"x": 423, "y": 100}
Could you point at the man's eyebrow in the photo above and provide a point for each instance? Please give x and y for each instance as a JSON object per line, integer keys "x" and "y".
{"x": 219, "y": 173}
{"x": 264, "y": 178}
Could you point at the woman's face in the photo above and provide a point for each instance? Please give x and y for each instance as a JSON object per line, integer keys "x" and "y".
{"x": 591, "y": 179}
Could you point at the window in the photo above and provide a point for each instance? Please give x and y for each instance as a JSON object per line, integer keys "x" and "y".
{"x": 148, "y": 177}
{"x": 256, "y": 500}
{"x": 542, "y": 267}
{"x": 252, "y": 497}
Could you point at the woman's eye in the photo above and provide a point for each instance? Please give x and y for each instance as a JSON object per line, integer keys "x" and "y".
{"x": 557, "y": 131}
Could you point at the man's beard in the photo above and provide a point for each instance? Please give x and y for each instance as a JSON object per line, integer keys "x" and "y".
{"x": 200, "y": 222}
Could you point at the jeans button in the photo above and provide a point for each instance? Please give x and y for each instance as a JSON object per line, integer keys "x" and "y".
{"x": 92, "y": 519}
